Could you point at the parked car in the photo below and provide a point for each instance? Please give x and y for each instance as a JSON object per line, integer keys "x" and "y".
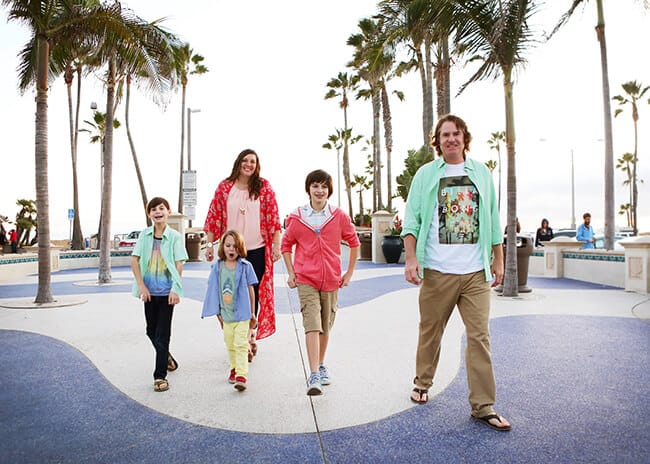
{"x": 600, "y": 242}
{"x": 564, "y": 233}
{"x": 128, "y": 242}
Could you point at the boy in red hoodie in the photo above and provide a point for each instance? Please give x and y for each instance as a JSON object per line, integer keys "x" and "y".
{"x": 316, "y": 231}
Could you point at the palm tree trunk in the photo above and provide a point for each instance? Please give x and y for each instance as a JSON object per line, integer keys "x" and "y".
{"x": 346, "y": 154}
{"x": 609, "y": 143}
{"x": 428, "y": 66}
{"x": 510, "y": 280}
{"x": 635, "y": 190}
{"x": 376, "y": 147}
{"x": 77, "y": 234}
{"x": 104, "y": 276}
{"x": 182, "y": 164}
{"x": 44, "y": 294}
{"x": 388, "y": 142}
{"x": 443, "y": 91}
{"x": 76, "y": 239}
{"x": 426, "y": 126}
{"x": 143, "y": 193}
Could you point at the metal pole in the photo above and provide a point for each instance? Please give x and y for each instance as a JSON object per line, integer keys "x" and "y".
{"x": 573, "y": 194}
{"x": 189, "y": 144}
{"x": 338, "y": 174}
{"x": 189, "y": 139}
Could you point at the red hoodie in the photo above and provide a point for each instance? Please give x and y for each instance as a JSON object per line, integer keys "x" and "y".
{"x": 317, "y": 259}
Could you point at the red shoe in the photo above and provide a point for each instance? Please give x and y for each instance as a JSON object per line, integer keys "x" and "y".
{"x": 231, "y": 377}
{"x": 240, "y": 383}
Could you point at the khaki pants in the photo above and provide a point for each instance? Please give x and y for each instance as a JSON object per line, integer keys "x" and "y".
{"x": 439, "y": 294}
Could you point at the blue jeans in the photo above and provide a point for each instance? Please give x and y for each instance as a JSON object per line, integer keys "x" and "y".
{"x": 158, "y": 313}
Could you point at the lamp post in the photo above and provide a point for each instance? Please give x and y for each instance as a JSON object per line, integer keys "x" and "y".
{"x": 189, "y": 146}
{"x": 573, "y": 195}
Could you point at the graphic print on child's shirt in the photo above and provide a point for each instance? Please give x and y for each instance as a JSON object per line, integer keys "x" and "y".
{"x": 457, "y": 211}
{"x": 157, "y": 277}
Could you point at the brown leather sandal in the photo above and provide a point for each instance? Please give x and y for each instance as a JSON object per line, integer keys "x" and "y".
{"x": 423, "y": 395}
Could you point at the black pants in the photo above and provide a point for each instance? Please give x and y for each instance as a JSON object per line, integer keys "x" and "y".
{"x": 257, "y": 259}
{"x": 158, "y": 313}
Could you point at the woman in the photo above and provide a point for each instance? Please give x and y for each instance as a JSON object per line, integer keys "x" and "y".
{"x": 544, "y": 234}
{"x": 246, "y": 202}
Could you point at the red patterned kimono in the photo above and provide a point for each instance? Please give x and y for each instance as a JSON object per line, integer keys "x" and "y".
{"x": 217, "y": 222}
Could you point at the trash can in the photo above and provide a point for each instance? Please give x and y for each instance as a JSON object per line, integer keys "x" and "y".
{"x": 366, "y": 245}
{"x": 193, "y": 247}
{"x": 524, "y": 250}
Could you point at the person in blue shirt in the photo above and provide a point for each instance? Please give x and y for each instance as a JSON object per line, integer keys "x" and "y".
{"x": 585, "y": 232}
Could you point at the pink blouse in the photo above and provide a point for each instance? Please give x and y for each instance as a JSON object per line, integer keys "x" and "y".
{"x": 244, "y": 216}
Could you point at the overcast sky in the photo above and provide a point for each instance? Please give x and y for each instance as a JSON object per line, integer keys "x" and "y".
{"x": 269, "y": 63}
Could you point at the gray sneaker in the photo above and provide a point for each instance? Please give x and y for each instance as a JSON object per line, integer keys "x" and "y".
{"x": 313, "y": 385}
{"x": 324, "y": 375}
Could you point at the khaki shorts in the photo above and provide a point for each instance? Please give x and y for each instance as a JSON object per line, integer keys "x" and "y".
{"x": 318, "y": 308}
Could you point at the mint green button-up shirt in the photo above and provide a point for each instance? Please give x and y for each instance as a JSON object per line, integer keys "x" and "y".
{"x": 422, "y": 199}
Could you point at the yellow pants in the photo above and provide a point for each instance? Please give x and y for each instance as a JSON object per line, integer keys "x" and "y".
{"x": 235, "y": 334}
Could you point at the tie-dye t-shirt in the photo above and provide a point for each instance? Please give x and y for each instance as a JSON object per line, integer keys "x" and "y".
{"x": 157, "y": 277}
{"x": 227, "y": 281}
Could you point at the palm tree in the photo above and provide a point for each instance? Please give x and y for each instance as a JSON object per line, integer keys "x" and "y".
{"x": 624, "y": 163}
{"x": 405, "y": 21}
{"x": 373, "y": 63}
{"x": 186, "y": 63}
{"x": 498, "y": 33}
{"x": 58, "y": 28}
{"x": 496, "y": 138}
{"x": 607, "y": 115}
{"x": 156, "y": 81}
{"x": 388, "y": 138}
{"x": 425, "y": 26}
{"x": 633, "y": 93}
{"x": 363, "y": 184}
{"x": 72, "y": 68}
{"x": 26, "y": 220}
{"x": 97, "y": 130}
{"x": 341, "y": 86}
{"x": 335, "y": 142}
{"x": 136, "y": 42}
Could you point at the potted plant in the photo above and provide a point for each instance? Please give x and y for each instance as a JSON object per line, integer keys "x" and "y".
{"x": 392, "y": 245}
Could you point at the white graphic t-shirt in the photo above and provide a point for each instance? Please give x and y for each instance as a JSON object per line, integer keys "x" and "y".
{"x": 452, "y": 245}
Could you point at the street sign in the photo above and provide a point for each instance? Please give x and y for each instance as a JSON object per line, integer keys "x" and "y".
{"x": 70, "y": 214}
{"x": 189, "y": 180}
{"x": 189, "y": 191}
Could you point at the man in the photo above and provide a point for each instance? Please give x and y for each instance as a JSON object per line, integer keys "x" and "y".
{"x": 585, "y": 232}
{"x": 453, "y": 244}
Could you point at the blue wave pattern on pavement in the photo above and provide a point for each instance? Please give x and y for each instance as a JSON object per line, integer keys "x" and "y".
{"x": 575, "y": 389}
{"x": 359, "y": 291}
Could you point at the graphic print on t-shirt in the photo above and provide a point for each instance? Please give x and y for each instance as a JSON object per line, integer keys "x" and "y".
{"x": 457, "y": 211}
{"x": 227, "y": 289}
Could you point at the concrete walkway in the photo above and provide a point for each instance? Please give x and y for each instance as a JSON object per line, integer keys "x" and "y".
{"x": 571, "y": 359}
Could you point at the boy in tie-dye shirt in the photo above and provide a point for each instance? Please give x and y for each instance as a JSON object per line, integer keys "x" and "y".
{"x": 157, "y": 264}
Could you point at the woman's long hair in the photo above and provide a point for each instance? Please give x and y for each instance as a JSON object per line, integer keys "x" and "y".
{"x": 255, "y": 182}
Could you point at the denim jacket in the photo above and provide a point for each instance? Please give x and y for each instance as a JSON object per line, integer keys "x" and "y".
{"x": 244, "y": 276}
{"x": 422, "y": 199}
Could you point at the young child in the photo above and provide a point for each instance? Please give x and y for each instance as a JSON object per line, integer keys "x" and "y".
{"x": 157, "y": 264}
{"x": 230, "y": 296}
{"x": 316, "y": 231}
